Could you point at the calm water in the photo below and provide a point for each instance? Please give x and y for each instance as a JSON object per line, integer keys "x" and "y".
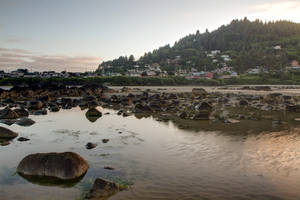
{"x": 160, "y": 160}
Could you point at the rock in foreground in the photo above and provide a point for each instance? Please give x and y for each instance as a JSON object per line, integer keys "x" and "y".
{"x": 102, "y": 189}
{"x": 7, "y": 134}
{"x": 65, "y": 166}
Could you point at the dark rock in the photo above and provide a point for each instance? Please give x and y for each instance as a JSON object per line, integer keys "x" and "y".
{"x": 24, "y": 121}
{"x": 105, "y": 140}
{"x": 103, "y": 189}
{"x": 22, "y": 112}
{"x": 8, "y": 122}
{"x": 7, "y": 134}
{"x": 202, "y": 115}
{"x": 139, "y": 108}
{"x": 40, "y": 112}
{"x": 22, "y": 139}
{"x": 93, "y": 112}
{"x": 90, "y": 145}
{"x": 4, "y": 143}
{"x": 65, "y": 166}
{"x": 54, "y": 108}
{"x": 7, "y": 113}
{"x": 183, "y": 115}
{"x": 109, "y": 168}
{"x": 203, "y": 106}
{"x": 293, "y": 108}
{"x": 35, "y": 105}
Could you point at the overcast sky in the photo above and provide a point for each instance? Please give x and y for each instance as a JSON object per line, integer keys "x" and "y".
{"x": 77, "y": 35}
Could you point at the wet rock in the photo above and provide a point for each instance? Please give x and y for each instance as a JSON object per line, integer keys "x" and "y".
{"x": 201, "y": 115}
{"x": 7, "y": 113}
{"x": 23, "y": 139}
{"x": 90, "y": 145}
{"x": 25, "y": 121}
{"x": 109, "y": 168}
{"x": 40, "y": 112}
{"x": 93, "y": 104}
{"x": 7, "y": 134}
{"x": 203, "y": 106}
{"x": 103, "y": 189}
{"x": 183, "y": 115}
{"x": 139, "y": 108}
{"x": 54, "y": 108}
{"x": 8, "y": 122}
{"x": 22, "y": 112}
{"x": 35, "y": 105}
{"x": 65, "y": 166}
{"x": 93, "y": 112}
{"x": 105, "y": 140}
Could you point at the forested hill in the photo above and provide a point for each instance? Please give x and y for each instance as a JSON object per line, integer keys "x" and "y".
{"x": 248, "y": 43}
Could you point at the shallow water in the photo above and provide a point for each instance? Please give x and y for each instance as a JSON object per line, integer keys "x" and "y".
{"x": 160, "y": 160}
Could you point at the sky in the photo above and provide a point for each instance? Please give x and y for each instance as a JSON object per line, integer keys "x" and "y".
{"x": 77, "y": 35}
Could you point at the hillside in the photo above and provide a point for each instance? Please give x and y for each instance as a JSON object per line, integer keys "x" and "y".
{"x": 242, "y": 45}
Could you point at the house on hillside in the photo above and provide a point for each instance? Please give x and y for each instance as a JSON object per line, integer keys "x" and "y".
{"x": 294, "y": 66}
{"x": 277, "y": 47}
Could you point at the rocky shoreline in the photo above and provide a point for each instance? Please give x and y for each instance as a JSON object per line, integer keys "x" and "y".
{"x": 197, "y": 109}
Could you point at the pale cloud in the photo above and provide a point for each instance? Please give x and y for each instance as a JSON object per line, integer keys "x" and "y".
{"x": 287, "y": 10}
{"x": 11, "y": 59}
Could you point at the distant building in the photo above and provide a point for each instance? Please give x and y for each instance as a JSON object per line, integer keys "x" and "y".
{"x": 277, "y": 47}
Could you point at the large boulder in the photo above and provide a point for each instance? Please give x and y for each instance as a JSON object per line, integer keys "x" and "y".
{"x": 65, "y": 166}
{"x": 7, "y": 134}
{"x": 102, "y": 189}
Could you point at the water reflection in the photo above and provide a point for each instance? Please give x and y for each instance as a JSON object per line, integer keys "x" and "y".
{"x": 161, "y": 159}
{"x": 51, "y": 181}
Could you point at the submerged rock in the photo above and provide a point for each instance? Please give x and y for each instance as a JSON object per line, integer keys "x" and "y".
{"x": 102, "y": 189}
{"x": 7, "y": 134}
{"x": 65, "y": 166}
